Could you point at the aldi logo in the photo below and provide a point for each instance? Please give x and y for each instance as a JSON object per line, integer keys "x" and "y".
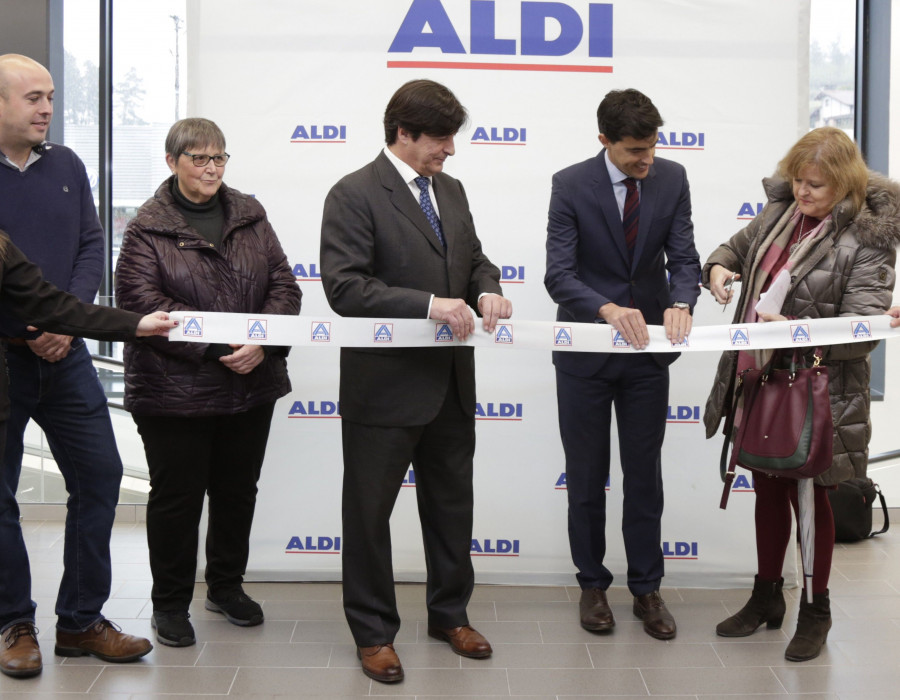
{"x": 800, "y": 333}
{"x": 739, "y": 337}
{"x": 861, "y": 329}
{"x": 680, "y": 550}
{"x": 442, "y": 333}
{"x": 503, "y": 334}
{"x": 562, "y": 336}
{"x": 618, "y": 341}
{"x": 257, "y": 329}
{"x": 300, "y": 544}
{"x": 321, "y": 332}
{"x": 384, "y": 332}
{"x": 192, "y": 327}
{"x": 495, "y": 548}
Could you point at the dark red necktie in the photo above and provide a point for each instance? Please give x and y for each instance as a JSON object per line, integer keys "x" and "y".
{"x": 631, "y": 214}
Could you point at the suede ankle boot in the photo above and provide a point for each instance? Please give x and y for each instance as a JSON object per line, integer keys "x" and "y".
{"x": 766, "y": 605}
{"x": 813, "y": 624}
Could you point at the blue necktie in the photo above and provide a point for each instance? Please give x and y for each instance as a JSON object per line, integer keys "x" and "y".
{"x": 430, "y": 213}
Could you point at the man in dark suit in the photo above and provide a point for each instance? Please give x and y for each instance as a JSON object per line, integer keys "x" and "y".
{"x": 620, "y": 251}
{"x": 398, "y": 240}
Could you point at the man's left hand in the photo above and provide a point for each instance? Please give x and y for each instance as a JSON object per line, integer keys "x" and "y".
{"x": 50, "y": 346}
{"x": 244, "y": 359}
{"x": 492, "y": 308}
{"x": 678, "y": 324}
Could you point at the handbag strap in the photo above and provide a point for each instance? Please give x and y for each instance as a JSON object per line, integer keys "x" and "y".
{"x": 726, "y": 466}
{"x": 887, "y": 520}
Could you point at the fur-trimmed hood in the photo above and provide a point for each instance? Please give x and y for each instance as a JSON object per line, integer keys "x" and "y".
{"x": 877, "y": 224}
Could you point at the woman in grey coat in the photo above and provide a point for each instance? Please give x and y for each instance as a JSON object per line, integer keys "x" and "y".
{"x": 831, "y": 225}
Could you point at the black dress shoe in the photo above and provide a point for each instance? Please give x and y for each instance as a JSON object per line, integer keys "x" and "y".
{"x": 596, "y": 615}
{"x": 658, "y": 621}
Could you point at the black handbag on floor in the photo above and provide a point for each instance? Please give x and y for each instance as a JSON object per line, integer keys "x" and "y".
{"x": 851, "y": 503}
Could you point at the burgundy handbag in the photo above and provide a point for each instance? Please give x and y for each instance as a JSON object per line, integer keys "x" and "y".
{"x": 786, "y": 427}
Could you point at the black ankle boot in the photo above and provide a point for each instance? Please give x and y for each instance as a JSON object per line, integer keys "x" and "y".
{"x": 813, "y": 624}
{"x": 766, "y": 604}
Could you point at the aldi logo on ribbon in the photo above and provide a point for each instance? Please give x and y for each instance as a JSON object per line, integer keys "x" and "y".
{"x": 321, "y": 332}
{"x": 443, "y": 334}
{"x": 618, "y": 341}
{"x": 192, "y": 327}
{"x": 257, "y": 329}
{"x": 800, "y": 333}
{"x": 384, "y": 332}
{"x": 861, "y": 329}
{"x": 739, "y": 336}
{"x": 503, "y": 334}
{"x": 562, "y": 336}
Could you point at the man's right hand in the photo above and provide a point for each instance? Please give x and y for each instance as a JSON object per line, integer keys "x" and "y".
{"x": 456, "y": 313}
{"x": 50, "y": 346}
{"x": 629, "y": 322}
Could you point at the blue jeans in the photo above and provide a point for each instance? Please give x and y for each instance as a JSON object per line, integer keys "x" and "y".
{"x": 65, "y": 398}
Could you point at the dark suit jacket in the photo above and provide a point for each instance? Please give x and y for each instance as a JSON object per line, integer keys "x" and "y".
{"x": 587, "y": 261}
{"x": 35, "y": 301}
{"x": 381, "y": 258}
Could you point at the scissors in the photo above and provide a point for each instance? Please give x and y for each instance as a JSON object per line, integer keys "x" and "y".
{"x": 727, "y": 286}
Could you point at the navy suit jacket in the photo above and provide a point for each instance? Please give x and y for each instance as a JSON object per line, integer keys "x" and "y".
{"x": 381, "y": 258}
{"x": 587, "y": 260}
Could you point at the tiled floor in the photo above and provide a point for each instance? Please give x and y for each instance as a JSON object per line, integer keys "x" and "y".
{"x": 304, "y": 647}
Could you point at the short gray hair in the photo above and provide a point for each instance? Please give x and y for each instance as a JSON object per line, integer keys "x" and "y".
{"x": 192, "y": 133}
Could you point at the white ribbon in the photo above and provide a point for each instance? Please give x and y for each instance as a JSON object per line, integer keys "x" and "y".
{"x": 323, "y": 331}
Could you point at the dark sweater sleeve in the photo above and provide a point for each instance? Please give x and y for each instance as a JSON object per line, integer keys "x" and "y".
{"x": 36, "y": 302}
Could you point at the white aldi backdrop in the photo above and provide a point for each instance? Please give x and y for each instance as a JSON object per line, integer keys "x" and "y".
{"x": 299, "y": 89}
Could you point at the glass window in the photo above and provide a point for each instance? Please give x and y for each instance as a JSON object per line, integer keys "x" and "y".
{"x": 832, "y": 64}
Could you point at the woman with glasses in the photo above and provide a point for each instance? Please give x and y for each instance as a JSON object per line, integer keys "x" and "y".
{"x": 202, "y": 410}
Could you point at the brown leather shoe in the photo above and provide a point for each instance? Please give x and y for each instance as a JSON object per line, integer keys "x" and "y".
{"x": 104, "y": 640}
{"x": 596, "y": 615}
{"x": 380, "y": 663}
{"x": 658, "y": 621}
{"x": 465, "y": 641}
{"x": 20, "y": 654}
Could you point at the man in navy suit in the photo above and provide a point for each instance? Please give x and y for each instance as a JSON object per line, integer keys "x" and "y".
{"x": 620, "y": 251}
{"x": 398, "y": 240}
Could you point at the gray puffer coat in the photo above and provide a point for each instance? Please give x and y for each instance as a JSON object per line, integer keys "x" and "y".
{"x": 848, "y": 273}
{"x": 165, "y": 264}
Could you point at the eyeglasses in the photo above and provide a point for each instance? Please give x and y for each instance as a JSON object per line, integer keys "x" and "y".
{"x": 201, "y": 159}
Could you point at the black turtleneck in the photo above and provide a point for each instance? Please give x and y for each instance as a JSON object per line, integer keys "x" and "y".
{"x": 207, "y": 219}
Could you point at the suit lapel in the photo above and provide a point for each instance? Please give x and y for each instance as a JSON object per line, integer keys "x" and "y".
{"x": 606, "y": 200}
{"x": 403, "y": 200}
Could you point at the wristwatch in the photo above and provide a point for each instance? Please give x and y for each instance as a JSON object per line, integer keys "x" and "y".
{"x": 683, "y": 306}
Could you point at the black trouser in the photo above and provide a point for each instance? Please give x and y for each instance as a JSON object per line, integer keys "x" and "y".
{"x": 190, "y": 457}
{"x": 375, "y": 461}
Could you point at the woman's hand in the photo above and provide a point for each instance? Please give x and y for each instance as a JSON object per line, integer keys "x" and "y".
{"x": 157, "y": 323}
{"x": 244, "y": 359}
{"x": 718, "y": 277}
{"x": 766, "y": 318}
{"x": 894, "y": 311}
